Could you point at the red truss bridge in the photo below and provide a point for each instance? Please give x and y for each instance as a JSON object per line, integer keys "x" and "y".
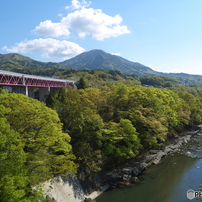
{"x": 17, "y": 79}
{"x": 24, "y": 83}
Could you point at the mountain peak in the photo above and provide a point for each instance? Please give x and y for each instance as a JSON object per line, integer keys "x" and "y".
{"x": 98, "y": 59}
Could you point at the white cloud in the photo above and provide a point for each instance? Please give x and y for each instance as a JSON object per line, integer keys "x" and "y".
{"x": 50, "y": 48}
{"x": 94, "y": 21}
{"x": 60, "y": 15}
{"x": 117, "y": 54}
{"x": 150, "y": 66}
{"x": 5, "y": 48}
{"x": 193, "y": 68}
{"x": 78, "y": 5}
{"x": 85, "y": 21}
{"x": 48, "y": 28}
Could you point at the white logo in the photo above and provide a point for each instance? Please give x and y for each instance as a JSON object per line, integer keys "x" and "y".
{"x": 191, "y": 194}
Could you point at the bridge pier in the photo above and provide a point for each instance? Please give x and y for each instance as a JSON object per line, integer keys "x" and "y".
{"x": 30, "y": 91}
{"x": 20, "y": 89}
{"x": 54, "y": 90}
{"x": 43, "y": 92}
{"x": 38, "y": 93}
{"x": 26, "y": 90}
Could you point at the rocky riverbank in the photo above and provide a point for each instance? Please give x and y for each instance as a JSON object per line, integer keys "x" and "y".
{"x": 129, "y": 173}
{"x": 89, "y": 185}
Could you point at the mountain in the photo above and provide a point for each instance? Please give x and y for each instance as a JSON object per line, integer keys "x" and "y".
{"x": 16, "y": 60}
{"x": 98, "y": 59}
{"x": 94, "y": 59}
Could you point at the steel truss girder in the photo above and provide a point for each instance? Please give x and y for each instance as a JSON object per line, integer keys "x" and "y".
{"x": 12, "y": 80}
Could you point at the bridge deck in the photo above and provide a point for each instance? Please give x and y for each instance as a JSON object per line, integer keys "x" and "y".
{"x": 18, "y": 79}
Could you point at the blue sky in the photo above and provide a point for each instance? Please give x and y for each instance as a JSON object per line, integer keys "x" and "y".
{"x": 164, "y": 35}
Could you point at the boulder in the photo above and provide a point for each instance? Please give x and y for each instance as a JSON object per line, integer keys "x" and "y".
{"x": 173, "y": 147}
{"x": 138, "y": 169}
{"x": 126, "y": 177}
{"x": 168, "y": 150}
{"x": 127, "y": 170}
{"x": 114, "y": 179}
{"x": 116, "y": 176}
{"x": 88, "y": 200}
{"x": 134, "y": 179}
{"x": 158, "y": 158}
{"x": 143, "y": 166}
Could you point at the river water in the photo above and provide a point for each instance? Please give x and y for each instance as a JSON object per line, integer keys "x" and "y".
{"x": 166, "y": 182}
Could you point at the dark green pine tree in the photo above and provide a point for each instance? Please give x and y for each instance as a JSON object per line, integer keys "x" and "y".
{"x": 82, "y": 83}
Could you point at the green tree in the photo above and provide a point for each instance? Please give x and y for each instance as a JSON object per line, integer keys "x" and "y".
{"x": 82, "y": 122}
{"x": 167, "y": 84}
{"x": 120, "y": 140}
{"x": 47, "y": 148}
{"x": 101, "y": 119}
{"x": 82, "y": 83}
{"x": 3, "y": 91}
{"x": 13, "y": 172}
{"x": 194, "y": 105}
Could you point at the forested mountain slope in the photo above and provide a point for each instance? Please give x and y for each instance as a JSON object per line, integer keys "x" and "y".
{"x": 98, "y": 59}
{"x": 94, "y": 59}
{"x": 14, "y": 60}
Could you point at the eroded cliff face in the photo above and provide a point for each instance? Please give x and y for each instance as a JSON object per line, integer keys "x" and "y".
{"x": 64, "y": 189}
{"x": 70, "y": 189}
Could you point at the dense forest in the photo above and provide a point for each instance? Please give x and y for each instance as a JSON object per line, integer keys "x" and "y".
{"x": 99, "y": 77}
{"x": 93, "y": 78}
{"x": 33, "y": 147}
{"x": 117, "y": 122}
{"x": 95, "y": 126}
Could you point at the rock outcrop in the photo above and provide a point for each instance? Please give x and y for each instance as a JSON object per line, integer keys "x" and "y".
{"x": 128, "y": 175}
{"x": 88, "y": 185}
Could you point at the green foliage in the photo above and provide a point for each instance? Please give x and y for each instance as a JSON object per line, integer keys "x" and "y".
{"x": 13, "y": 60}
{"x": 106, "y": 126}
{"x": 200, "y": 189}
{"x": 163, "y": 81}
{"x": 33, "y": 147}
{"x": 196, "y": 90}
{"x": 87, "y": 156}
{"x": 98, "y": 59}
{"x": 95, "y": 59}
{"x": 187, "y": 79}
{"x": 83, "y": 125}
{"x": 38, "y": 195}
{"x": 194, "y": 105}
{"x": 121, "y": 140}
{"x": 13, "y": 172}
{"x": 3, "y": 91}
{"x": 116, "y": 122}
{"x": 82, "y": 83}
{"x": 94, "y": 78}
{"x": 40, "y": 131}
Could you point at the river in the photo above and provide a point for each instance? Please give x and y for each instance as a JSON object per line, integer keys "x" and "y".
{"x": 166, "y": 182}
